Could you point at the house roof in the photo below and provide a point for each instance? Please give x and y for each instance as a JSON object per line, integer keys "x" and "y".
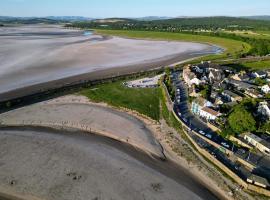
{"x": 210, "y": 111}
{"x": 230, "y": 93}
{"x": 253, "y": 92}
{"x": 259, "y": 140}
{"x": 201, "y": 101}
{"x": 241, "y": 84}
{"x": 261, "y": 73}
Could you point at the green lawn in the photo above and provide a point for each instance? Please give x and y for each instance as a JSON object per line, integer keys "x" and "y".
{"x": 145, "y": 101}
{"x": 252, "y": 34}
{"x": 232, "y": 47}
{"x": 259, "y": 65}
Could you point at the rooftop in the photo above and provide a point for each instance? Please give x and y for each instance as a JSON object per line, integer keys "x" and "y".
{"x": 258, "y": 139}
{"x": 211, "y": 111}
{"x": 241, "y": 84}
{"x": 201, "y": 101}
{"x": 230, "y": 93}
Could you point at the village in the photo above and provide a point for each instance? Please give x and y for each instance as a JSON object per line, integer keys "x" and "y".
{"x": 227, "y": 113}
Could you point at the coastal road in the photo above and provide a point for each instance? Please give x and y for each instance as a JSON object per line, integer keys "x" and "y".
{"x": 184, "y": 113}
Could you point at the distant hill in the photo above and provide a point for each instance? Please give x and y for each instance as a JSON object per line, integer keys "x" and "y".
{"x": 151, "y": 18}
{"x": 69, "y": 18}
{"x": 26, "y": 20}
{"x": 152, "y": 22}
{"x": 179, "y": 24}
{"x": 45, "y": 20}
{"x": 217, "y": 22}
{"x": 261, "y": 17}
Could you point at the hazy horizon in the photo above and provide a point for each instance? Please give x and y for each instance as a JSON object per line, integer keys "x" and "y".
{"x": 140, "y": 8}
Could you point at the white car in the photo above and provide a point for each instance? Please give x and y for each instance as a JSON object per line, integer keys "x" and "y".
{"x": 202, "y": 133}
{"x": 209, "y": 136}
{"x": 225, "y": 144}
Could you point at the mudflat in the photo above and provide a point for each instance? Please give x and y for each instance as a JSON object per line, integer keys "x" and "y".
{"x": 33, "y": 56}
{"x": 75, "y": 166}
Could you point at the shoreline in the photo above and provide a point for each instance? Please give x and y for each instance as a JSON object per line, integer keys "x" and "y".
{"x": 158, "y": 134}
{"x": 168, "y": 167}
{"x": 97, "y": 75}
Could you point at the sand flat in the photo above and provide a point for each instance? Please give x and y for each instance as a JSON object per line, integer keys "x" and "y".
{"x": 77, "y": 112}
{"x": 31, "y": 55}
{"x": 61, "y": 166}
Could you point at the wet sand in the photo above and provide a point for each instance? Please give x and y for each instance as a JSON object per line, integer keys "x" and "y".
{"x": 76, "y": 166}
{"x": 41, "y": 57}
{"x": 77, "y": 112}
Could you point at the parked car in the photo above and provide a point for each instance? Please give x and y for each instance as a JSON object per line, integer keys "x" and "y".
{"x": 185, "y": 120}
{"x": 209, "y": 136}
{"x": 225, "y": 145}
{"x": 201, "y": 132}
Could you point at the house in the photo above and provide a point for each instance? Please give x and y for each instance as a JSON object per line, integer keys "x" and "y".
{"x": 214, "y": 95}
{"x": 198, "y": 104}
{"x": 240, "y": 85}
{"x": 231, "y": 96}
{"x": 215, "y": 75}
{"x": 189, "y": 77}
{"x": 218, "y": 102}
{"x": 265, "y": 89}
{"x": 209, "y": 114}
{"x": 192, "y": 92}
{"x": 259, "y": 181}
{"x": 239, "y": 77}
{"x": 259, "y": 143}
{"x": 259, "y": 74}
{"x": 264, "y": 110}
{"x": 253, "y": 93}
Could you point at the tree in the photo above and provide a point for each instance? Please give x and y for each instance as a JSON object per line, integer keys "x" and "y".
{"x": 265, "y": 127}
{"x": 260, "y": 82}
{"x": 240, "y": 120}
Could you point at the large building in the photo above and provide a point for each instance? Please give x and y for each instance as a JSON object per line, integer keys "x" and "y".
{"x": 259, "y": 143}
{"x": 231, "y": 96}
{"x": 189, "y": 77}
{"x": 200, "y": 107}
{"x": 209, "y": 114}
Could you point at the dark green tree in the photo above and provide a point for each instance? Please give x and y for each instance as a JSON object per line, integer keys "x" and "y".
{"x": 240, "y": 120}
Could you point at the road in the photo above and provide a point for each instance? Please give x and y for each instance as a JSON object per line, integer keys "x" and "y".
{"x": 183, "y": 112}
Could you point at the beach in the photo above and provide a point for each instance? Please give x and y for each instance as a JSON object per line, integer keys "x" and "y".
{"x": 58, "y": 118}
{"x": 41, "y": 57}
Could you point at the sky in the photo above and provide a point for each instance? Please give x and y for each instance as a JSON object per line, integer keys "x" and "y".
{"x": 133, "y": 8}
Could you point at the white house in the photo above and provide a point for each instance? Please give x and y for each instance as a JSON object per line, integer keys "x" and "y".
{"x": 209, "y": 113}
{"x": 265, "y": 89}
{"x": 189, "y": 77}
{"x": 264, "y": 109}
{"x": 259, "y": 74}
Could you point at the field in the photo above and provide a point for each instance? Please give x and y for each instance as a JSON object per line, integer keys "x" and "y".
{"x": 259, "y": 65}
{"x": 232, "y": 47}
{"x": 252, "y": 34}
{"x": 145, "y": 101}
